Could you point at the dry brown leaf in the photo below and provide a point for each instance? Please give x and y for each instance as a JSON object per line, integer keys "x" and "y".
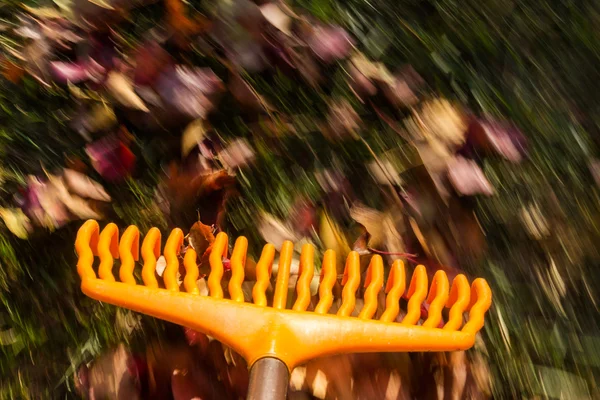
{"x": 480, "y": 373}
{"x": 12, "y": 71}
{"x": 329, "y": 377}
{"x": 110, "y": 378}
{"x": 201, "y": 237}
{"x": 181, "y": 23}
{"x": 458, "y": 372}
{"x": 184, "y": 188}
{"x": 384, "y": 228}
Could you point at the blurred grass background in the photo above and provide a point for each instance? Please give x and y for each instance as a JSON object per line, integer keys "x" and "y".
{"x": 535, "y": 63}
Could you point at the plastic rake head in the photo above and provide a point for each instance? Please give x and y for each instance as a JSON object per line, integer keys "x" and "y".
{"x": 293, "y": 336}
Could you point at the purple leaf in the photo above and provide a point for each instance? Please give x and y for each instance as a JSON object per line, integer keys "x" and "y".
{"x": 111, "y": 158}
{"x": 30, "y": 203}
{"x": 237, "y": 154}
{"x": 467, "y": 178}
{"x": 76, "y": 72}
{"x": 43, "y": 205}
{"x": 330, "y": 43}
{"x": 498, "y": 137}
{"x": 189, "y": 90}
{"x": 150, "y": 60}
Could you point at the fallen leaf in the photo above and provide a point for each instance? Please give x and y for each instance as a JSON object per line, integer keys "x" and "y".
{"x": 201, "y": 237}
{"x": 190, "y": 91}
{"x": 111, "y": 158}
{"x": 439, "y": 122}
{"x": 103, "y": 4}
{"x": 74, "y": 73}
{"x": 333, "y": 238}
{"x": 16, "y": 221}
{"x": 328, "y": 377}
{"x": 49, "y": 196}
{"x": 377, "y": 72}
{"x": 458, "y": 371}
{"x": 276, "y": 17}
{"x": 12, "y": 71}
{"x": 468, "y": 178}
{"x": 161, "y": 265}
{"x": 181, "y": 23}
{"x": 499, "y": 137}
{"x": 192, "y": 136}
{"x": 75, "y": 204}
{"x": 304, "y": 63}
{"x": 384, "y": 228}
{"x": 162, "y": 359}
{"x": 83, "y": 186}
{"x": 44, "y": 12}
{"x": 187, "y": 189}
{"x": 480, "y": 372}
{"x": 122, "y": 89}
{"x": 433, "y": 244}
{"x": 110, "y": 376}
{"x": 360, "y": 84}
{"x": 275, "y": 231}
{"x": 330, "y": 43}
{"x": 236, "y": 154}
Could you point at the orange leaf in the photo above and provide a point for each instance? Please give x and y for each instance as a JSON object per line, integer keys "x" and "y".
{"x": 12, "y": 72}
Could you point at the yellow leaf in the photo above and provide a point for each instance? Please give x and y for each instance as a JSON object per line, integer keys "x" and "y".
{"x": 122, "y": 89}
{"x": 193, "y": 134}
{"x": 334, "y": 239}
{"x": 16, "y": 222}
{"x": 103, "y": 4}
{"x": 44, "y": 12}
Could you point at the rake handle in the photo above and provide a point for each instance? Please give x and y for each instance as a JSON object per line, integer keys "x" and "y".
{"x": 269, "y": 380}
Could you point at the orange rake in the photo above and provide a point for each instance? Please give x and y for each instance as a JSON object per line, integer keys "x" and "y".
{"x": 274, "y": 340}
